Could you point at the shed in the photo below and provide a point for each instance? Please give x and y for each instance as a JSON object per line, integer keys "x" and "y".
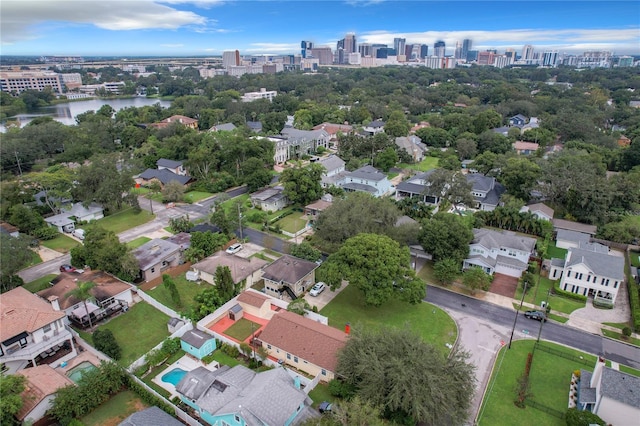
{"x": 235, "y": 313}
{"x": 198, "y": 343}
{"x": 174, "y": 324}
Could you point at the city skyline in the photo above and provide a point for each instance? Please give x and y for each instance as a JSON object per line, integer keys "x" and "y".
{"x": 209, "y": 27}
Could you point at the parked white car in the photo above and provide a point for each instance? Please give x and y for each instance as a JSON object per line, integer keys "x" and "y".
{"x": 234, "y": 248}
{"x": 317, "y": 289}
{"x": 78, "y": 233}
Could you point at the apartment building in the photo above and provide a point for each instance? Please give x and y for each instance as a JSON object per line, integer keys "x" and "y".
{"x": 18, "y": 82}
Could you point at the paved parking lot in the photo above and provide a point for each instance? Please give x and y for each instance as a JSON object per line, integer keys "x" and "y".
{"x": 321, "y": 300}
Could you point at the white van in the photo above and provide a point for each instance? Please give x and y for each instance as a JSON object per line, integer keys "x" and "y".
{"x": 78, "y": 233}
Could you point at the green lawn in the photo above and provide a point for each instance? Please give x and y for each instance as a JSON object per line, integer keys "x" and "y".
{"x": 60, "y": 243}
{"x": 195, "y": 196}
{"x": 292, "y": 223}
{"x": 115, "y": 410}
{"x": 242, "y": 329}
{"x": 188, "y": 291}
{"x": 426, "y": 273}
{"x": 321, "y": 393}
{"x": 123, "y": 220}
{"x": 230, "y": 203}
{"x": 558, "y": 303}
{"x": 619, "y": 325}
{"x": 425, "y": 165}
{"x": 635, "y": 258}
{"x": 138, "y": 331}
{"x": 430, "y": 322}
{"x": 35, "y": 259}
{"x": 134, "y": 244}
{"x": 629, "y": 370}
{"x": 554, "y": 251}
{"x": 619, "y": 336}
{"x": 550, "y": 378}
{"x": 224, "y": 359}
{"x": 40, "y": 283}
{"x": 558, "y": 318}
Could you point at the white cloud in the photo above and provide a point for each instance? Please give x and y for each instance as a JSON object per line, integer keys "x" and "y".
{"x": 21, "y": 19}
{"x": 273, "y": 47}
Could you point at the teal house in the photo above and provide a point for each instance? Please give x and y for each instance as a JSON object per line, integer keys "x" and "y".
{"x": 198, "y": 343}
{"x": 239, "y": 396}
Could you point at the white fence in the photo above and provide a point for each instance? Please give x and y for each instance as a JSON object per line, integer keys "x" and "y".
{"x": 159, "y": 306}
{"x": 178, "y": 333}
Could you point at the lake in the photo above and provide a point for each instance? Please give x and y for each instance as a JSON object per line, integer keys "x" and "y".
{"x": 67, "y": 112}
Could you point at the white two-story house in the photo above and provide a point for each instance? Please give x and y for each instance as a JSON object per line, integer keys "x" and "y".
{"x": 590, "y": 270}
{"x": 366, "y": 179}
{"x": 501, "y": 252}
{"x": 32, "y": 332}
{"x": 334, "y": 168}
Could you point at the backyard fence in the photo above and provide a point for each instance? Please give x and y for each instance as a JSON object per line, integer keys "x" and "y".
{"x": 563, "y": 354}
{"x": 551, "y": 411}
{"x": 159, "y": 306}
{"x": 178, "y": 333}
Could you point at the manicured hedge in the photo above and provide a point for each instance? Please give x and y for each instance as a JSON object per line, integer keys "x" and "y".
{"x": 634, "y": 301}
{"x": 568, "y": 294}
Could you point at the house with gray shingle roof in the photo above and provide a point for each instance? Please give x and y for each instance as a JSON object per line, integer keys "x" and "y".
{"x": 611, "y": 394}
{"x": 240, "y": 396}
{"x": 374, "y": 127}
{"x": 270, "y": 199}
{"x": 224, "y": 127}
{"x": 485, "y": 190}
{"x": 366, "y": 179}
{"x": 173, "y": 166}
{"x": 302, "y": 142}
{"x": 566, "y": 239}
{"x": 590, "y": 270}
{"x": 539, "y": 210}
{"x": 289, "y": 274}
{"x": 502, "y": 252}
{"x": 151, "y": 416}
{"x": 156, "y": 256}
{"x": 334, "y": 170}
{"x": 413, "y": 146}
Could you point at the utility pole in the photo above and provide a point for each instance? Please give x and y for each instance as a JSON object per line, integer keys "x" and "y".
{"x": 18, "y": 161}
{"x": 515, "y": 320}
{"x": 240, "y": 221}
{"x": 546, "y": 307}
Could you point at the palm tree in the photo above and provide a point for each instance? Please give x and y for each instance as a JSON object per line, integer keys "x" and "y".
{"x": 83, "y": 292}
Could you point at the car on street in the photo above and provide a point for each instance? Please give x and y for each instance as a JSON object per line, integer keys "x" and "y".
{"x": 325, "y": 407}
{"x": 234, "y": 248}
{"x": 317, "y": 288}
{"x": 536, "y": 315}
{"x": 67, "y": 268}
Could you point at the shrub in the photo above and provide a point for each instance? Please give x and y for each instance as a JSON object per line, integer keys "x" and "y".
{"x": 626, "y": 332}
{"x": 230, "y": 350}
{"x": 341, "y": 389}
{"x": 575, "y": 417}
{"x": 634, "y": 301}
{"x": 568, "y": 294}
{"x": 105, "y": 342}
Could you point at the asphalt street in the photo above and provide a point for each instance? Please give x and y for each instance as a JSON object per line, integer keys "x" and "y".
{"x": 551, "y": 330}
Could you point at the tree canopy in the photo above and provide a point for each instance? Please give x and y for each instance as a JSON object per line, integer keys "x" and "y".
{"x": 302, "y": 184}
{"x": 446, "y": 236}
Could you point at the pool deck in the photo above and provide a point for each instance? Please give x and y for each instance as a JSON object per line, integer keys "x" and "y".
{"x": 186, "y": 363}
{"x": 73, "y": 362}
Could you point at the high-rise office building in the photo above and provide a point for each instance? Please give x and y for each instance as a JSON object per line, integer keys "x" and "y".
{"x": 230, "y": 58}
{"x": 466, "y": 47}
{"x": 457, "y": 53}
{"x": 424, "y": 51}
{"x": 399, "y": 45}
{"x": 550, "y": 58}
{"x": 324, "y": 55}
{"x": 375, "y": 47}
{"x": 365, "y": 49}
{"x": 527, "y": 52}
{"x": 439, "y": 48}
{"x": 305, "y": 47}
{"x": 350, "y": 45}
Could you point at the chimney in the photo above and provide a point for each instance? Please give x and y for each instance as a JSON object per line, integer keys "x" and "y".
{"x": 347, "y": 328}
{"x": 54, "y": 302}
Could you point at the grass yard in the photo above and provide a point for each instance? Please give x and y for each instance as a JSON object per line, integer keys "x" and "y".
{"x": 558, "y": 303}
{"x": 137, "y": 331}
{"x": 428, "y": 321}
{"x": 134, "y": 244}
{"x": 188, "y": 291}
{"x": 115, "y": 410}
{"x": 619, "y": 336}
{"x": 35, "y": 259}
{"x": 629, "y": 370}
{"x": 61, "y": 243}
{"x": 123, "y": 220}
{"x": 554, "y": 251}
{"x": 195, "y": 196}
{"x": 550, "y": 378}
{"x": 231, "y": 202}
{"x": 558, "y": 318}
{"x": 635, "y": 258}
{"x": 321, "y": 393}
{"x": 425, "y": 165}
{"x": 40, "y": 283}
{"x": 242, "y": 329}
{"x": 224, "y": 359}
{"x": 426, "y": 273}
{"x": 292, "y": 223}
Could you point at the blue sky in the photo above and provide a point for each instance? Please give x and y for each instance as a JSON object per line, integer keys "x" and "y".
{"x": 208, "y": 27}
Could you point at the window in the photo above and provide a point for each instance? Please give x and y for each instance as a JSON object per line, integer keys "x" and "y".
{"x": 288, "y": 356}
{"x": 23, "y": 342}
{"x": 153, "y": 270}
{"x": 268, "y": 346}
{"x": 236, "y": 418}
{"x": 295, "y": 359}
{"x": 615, "y": 284}
{"x": 324, "y": 372}
{"x": 46, "y": 328}
{"x": 579, "y": 276}
{"x": 568, "y": 274}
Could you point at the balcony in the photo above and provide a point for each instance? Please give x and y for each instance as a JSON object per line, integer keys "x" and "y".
{"x": 32, "y": 350}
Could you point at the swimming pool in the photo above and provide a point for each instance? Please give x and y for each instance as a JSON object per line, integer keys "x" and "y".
{"x": 174, "y": 376}
{"x": 76, "y": 372}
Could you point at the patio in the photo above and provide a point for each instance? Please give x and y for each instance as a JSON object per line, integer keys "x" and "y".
{"x": 186, "y": 363}
{"x": 225, "y": 322}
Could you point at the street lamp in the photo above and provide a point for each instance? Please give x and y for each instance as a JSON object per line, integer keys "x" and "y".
{"x": 515, "y": 320}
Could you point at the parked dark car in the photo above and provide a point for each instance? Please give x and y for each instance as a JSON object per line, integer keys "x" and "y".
{"x": 536, "y": 315}
{"x": 325, "y": 407}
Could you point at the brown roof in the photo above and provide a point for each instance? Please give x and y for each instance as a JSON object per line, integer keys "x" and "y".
{"x": 252, "y": 298}
{"x": 8, "y": 227}
{"x": 305, "y": 338}
{"x": 574, "y": 226}
{"x": 42, "y": 380}
{"x": 319, "y": 205}
{"x": 240, "y": 267}
{"x": 106, "y": 286}
{"x": 541, "y": 207}
{"x": 522, "y": 145}
{"x": 23, "y": 311}
{"x": 288, "y": 269}
{"x": 332, "y": 128}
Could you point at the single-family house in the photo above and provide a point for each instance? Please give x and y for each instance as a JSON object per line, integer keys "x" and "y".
{"x": 534, "y": 123}
{"x": 539, "y": 210}
{"x": 189, "y": 122}
{"x": 239, "y": 396}
{"x": 366, "y": 179}
{"x": 152, "y": 416}
{"x": 518, "y": 120}
{"x": 176, "y": 167}
{"x": 334, "y": 170}
{"x": 418, "y": 126}
{"x": 42, "y": 198}
{"x": 302, "y": 142}
{"x": 156, "y": 256}
{"x": 303, "y": 343}
{"x": 623, "y": 141}
{"x": 255, "y": 126}
{"x": 417, "y": 186}
{"x": 256, "y": 303}
{"x": 334, "y": 130}
{"x": 42, "y": 383}
{"x": 413, "y": 146}
{"x": 590, "y": 270}
{"x": 612, "y": 395}
{"x": 270, "y": 199}
{"x": 243, "y": 271}
{"x": 8, "y": 229}
{"x": 163, "y": 176}
{"x": 486, "y": 191}
{"x": 290, "y": 275}
{"x": 574, "y": 226}
{"x": 313, "y": 210}
{"x": 504, "y": 130}
{"x": 109, "y": 296}
{"x": 525, "y": 148}
{"x": 502, "y": 252}
{"x": 70, "y": 215}
{"x": 31, "y": 331}
{"x": 224, "y": 127}
{"x": 374, "y": 127}
{"x": 197, "y": 343}
{"x": 567, "y": 239}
